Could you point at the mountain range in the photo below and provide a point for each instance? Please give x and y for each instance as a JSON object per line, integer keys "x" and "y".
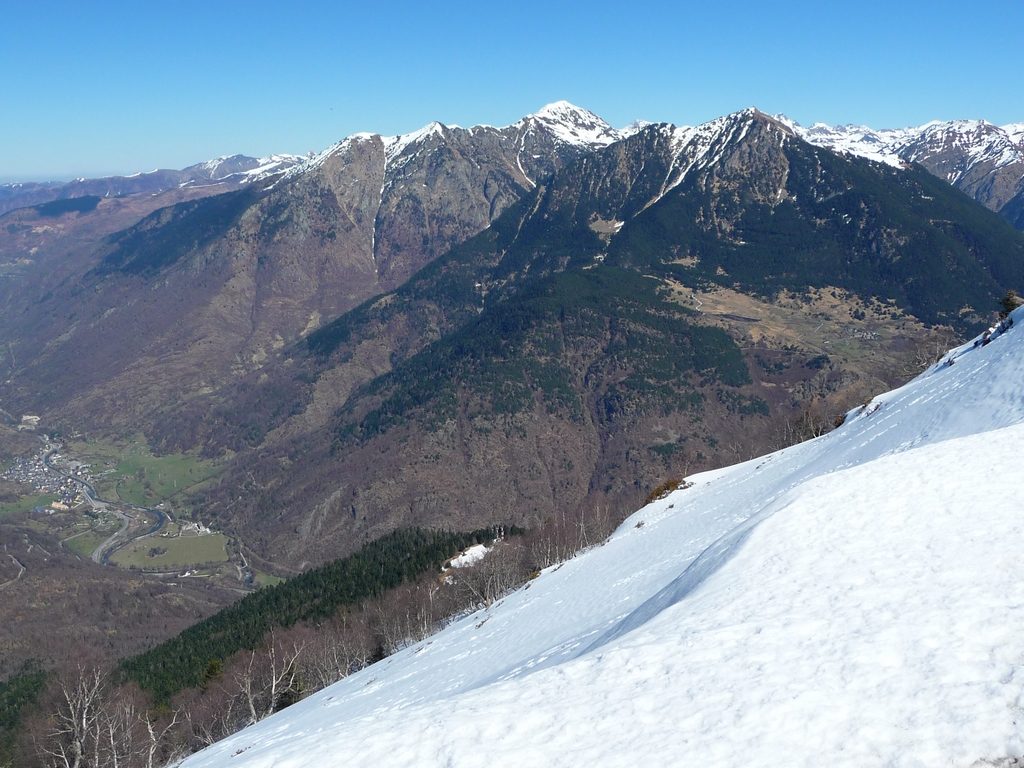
{"x": 983, "y": 160}
{"x": 465, "y": 325}
{"x": 223, "y": 172}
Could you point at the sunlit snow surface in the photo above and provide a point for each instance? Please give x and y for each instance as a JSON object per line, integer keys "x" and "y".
{"x": 856, "y": 600}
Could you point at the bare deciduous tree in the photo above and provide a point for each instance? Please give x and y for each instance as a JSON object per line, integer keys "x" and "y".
{"x": 500, "y": 571}
{"x": 332, "y": 656}
{"x": 74, "y": 740}
{"x": 214, "y": 721}
{"x": 267, "y": 678}
{"x": 92, "y": 728}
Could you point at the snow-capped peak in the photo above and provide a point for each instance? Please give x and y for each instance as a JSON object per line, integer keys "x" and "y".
{"x": 565, "y": 111}
{"x": 574, "y": 125}
{"x": 1016, "y": 133}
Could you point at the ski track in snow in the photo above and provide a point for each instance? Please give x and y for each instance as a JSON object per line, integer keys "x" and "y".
{"x": 854, "y": 600}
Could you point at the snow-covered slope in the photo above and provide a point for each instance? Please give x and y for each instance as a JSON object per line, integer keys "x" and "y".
{"x": 854, "y": 600}
{"x": 1016, "y": 132}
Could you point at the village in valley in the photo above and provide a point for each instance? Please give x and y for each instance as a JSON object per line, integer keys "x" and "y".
{"x": 66, "y": 486}
{"x": 121, "y": 506}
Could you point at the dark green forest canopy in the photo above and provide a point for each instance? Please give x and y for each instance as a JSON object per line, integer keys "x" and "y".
{"x": 17, "y": 695}
{"x": 539, "y": 344}
{"x": 56, "y": 208}
{"x": 317, "y": 594}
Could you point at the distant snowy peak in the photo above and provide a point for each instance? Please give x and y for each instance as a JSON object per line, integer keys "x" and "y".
{"x": 634, "y": 128}
{"x": 574, "y": 125}
{"x": 856, "y": 140}
{"x": 267, "y": 167}
{"x": 1016, "y": 133}
{"x": 960, "y": 144}
{"x": 239, "y": 168}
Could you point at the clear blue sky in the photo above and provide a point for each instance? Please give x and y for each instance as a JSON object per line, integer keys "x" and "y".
{"x": 104, "y": 87}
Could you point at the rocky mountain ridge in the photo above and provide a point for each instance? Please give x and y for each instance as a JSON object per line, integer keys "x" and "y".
{"x": 229, "y": 171}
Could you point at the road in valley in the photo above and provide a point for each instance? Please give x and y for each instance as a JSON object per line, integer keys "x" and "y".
{"x": 21, "y": 570}
{"x": 120, "y": 537}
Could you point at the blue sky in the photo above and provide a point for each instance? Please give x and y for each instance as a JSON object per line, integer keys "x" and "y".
{"x": 115, "y": 87}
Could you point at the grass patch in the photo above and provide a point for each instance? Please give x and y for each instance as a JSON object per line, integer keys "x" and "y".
{"x": 133, "y": 474}
{"x": 26, "y": 504}
{"x": 86, "y": 543}
{"x": 160, "y": 552}
{"x": 264, "y": 579}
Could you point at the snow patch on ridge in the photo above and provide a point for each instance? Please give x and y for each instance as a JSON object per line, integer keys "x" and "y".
{"x": 1016, "y": 133}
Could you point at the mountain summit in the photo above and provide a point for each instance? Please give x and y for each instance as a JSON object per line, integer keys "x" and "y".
{"x": 573, "y": 125}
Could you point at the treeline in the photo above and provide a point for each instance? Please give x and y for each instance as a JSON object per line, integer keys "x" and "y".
{"x": 189, "y": 659}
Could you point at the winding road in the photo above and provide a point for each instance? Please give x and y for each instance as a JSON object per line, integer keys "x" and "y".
{"x": 118, "y": 539}
{"x": 21, "y": 570}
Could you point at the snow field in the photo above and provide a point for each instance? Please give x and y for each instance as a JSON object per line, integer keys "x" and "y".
{"x": 854, "y": 600}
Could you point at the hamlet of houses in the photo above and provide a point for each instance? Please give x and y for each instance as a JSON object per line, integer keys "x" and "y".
{"x": 66, "y": 489}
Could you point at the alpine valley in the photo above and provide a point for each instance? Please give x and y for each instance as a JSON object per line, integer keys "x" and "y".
{"x": 480, "y": 331}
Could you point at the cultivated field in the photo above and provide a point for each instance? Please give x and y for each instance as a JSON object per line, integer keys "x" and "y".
{"x": 162, "y": 552}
